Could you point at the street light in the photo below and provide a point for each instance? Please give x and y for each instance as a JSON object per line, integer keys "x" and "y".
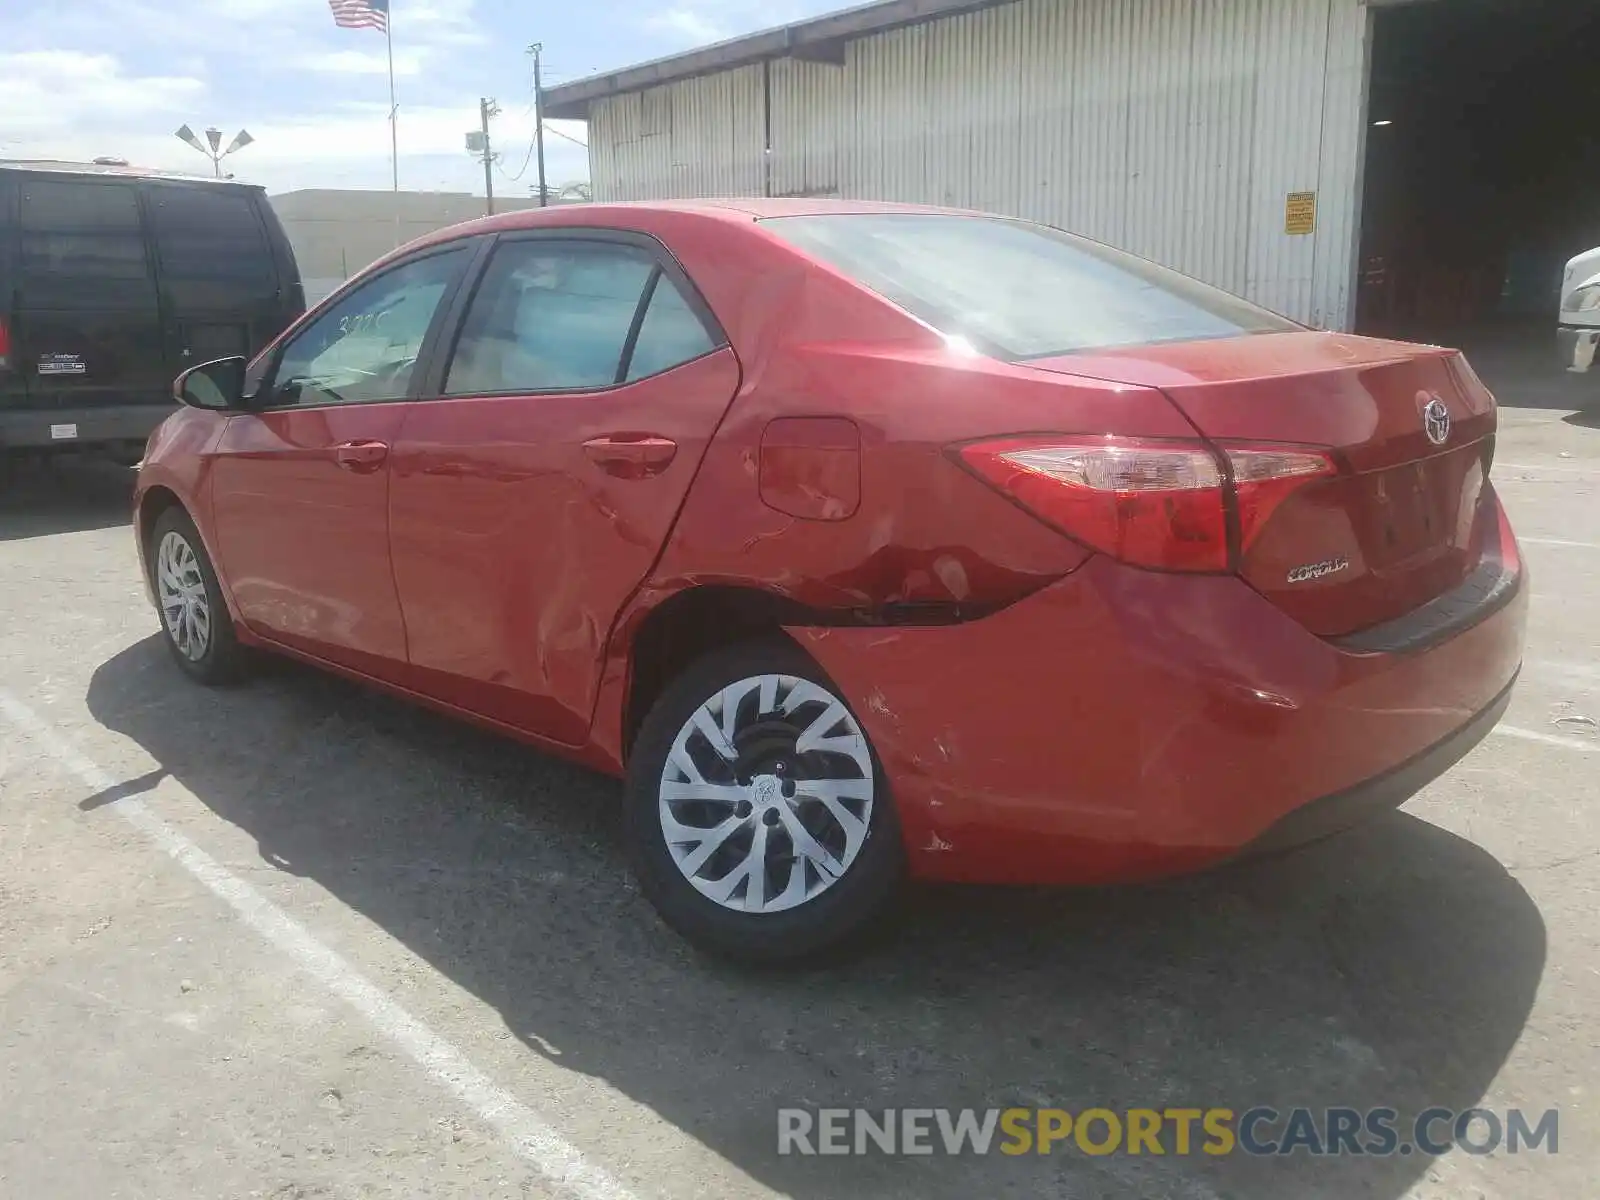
{"x": 211, "y": 148}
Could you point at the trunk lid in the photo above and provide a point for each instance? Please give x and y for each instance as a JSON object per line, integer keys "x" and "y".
{"x": 1406, "y": 519}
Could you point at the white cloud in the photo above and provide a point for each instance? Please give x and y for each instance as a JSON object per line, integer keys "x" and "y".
{"x": 436, "y": 22}
{"x": 358, "y": 62}
{"x": 349, "y": 147}
{"x": 116, "y": 77}
{"x": 244, "y": 10}
{"x": 332, "y": 135}
{"x": 53, "y": 95}
{"x": 687, "y": 25}
{"x": 690, "y": 23}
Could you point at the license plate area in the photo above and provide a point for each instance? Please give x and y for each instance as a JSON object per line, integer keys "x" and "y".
{"x": 1416, "y": 510}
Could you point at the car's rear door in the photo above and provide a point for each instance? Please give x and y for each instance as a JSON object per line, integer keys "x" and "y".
{"x": 535, "y": 482}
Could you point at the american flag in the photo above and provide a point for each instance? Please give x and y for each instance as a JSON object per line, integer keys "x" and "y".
{"x": 361, "y": 14}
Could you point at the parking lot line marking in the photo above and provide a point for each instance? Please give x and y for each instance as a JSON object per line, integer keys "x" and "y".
{"x": 1528, "y": 541}
{"x": 529, "y": 1135}
{"x": 1570, "y": 669}
{"x": 1549, "y": 467}
{"x": 1548, "y": 739}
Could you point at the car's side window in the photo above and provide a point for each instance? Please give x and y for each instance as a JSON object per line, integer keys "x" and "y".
{"x": 671, "y": 333}
{"x": 365, "y": 346}
{"x": 549, "y": 316}
{"x": 553, "y": 316}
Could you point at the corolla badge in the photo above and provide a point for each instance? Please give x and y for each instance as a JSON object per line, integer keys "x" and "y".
{"x": 1319, "y": 570}
{"x": 1436, "y": 420}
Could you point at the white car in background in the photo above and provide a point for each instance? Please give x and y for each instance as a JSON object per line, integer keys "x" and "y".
{"x": 1580, "y": 312}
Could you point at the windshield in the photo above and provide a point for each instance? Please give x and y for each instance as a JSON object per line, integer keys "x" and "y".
{"x": 1018, "y": 290}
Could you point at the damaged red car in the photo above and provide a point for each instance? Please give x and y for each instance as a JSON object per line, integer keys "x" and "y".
{"x": 863, "y": 541}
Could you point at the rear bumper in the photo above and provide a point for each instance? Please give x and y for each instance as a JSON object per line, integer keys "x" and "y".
{"x": 1578, "y": 345}
{"x": 61, "y": 428}
{"x": 1331, "y": 814}
{"x": 1124, "y": 725}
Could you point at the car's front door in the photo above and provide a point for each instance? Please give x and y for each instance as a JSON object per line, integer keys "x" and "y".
{"x": 536, "y": 481}
{"x": 300, "y": 485}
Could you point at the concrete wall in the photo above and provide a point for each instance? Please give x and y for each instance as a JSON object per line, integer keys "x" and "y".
{"x": 1177, "y": 129}
{"x": 335, "y": 233}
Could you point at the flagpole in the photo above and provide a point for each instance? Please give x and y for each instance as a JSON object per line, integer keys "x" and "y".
{"x": 394, "y": 124}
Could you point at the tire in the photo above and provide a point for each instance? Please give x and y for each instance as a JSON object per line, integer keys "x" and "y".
{"x": 851, "y": 870}
{"x": 199, "y": 635}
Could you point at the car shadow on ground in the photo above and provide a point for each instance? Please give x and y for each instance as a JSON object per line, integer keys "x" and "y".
{"x": 1392, "y": 966}
{"x": 65, "y": 496}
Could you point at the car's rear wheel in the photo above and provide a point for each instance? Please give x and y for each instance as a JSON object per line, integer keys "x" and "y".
{"x": 757, "y": 815}
{"x": 194, "y": 617}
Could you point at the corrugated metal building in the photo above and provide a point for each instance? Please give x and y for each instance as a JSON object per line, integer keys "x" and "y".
{"x": 1226, "y": 138}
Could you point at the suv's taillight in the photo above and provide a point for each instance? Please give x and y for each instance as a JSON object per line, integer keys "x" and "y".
{"x": 5, "y": 344}
{"x": 1172, "y": 505}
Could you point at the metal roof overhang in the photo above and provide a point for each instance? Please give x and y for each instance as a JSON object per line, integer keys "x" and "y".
{"x": 820, "y": 39}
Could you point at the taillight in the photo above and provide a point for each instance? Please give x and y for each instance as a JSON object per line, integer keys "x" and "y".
{"x": 1162, "y": 504}
{"x": 5, "y": 343}
{"x": 1264, "y": 477}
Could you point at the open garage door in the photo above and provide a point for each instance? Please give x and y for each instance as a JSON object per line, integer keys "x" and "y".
{"x": 1483, "y": 168}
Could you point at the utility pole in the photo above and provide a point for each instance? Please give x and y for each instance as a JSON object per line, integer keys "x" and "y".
{"x": 487, "y": 108}
{"x": 538, "y": 120}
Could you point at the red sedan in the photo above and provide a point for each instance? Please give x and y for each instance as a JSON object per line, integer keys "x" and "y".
{"x": 863, "y": 540}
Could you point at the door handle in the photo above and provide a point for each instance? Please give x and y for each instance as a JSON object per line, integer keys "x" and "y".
{"x": 361, "y": 457}
{"x": 631, "y": 456}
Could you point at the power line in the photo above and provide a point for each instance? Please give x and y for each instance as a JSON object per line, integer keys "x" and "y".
{"x": 549, "y": 128}
{"x": 540, "y": 126}
{"x": 522, "y": 170}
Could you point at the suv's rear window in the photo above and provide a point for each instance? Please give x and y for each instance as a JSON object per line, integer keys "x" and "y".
{"x": 1019, "y": 290}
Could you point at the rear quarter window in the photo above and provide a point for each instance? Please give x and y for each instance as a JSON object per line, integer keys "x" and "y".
{"x": 1017, "y": 290}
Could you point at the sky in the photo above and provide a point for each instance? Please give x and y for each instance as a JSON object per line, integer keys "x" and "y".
{"x": 82, "y": 78}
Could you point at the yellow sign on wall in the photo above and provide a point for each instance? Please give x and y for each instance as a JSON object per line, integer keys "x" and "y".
{"x": 1300, "y": 214}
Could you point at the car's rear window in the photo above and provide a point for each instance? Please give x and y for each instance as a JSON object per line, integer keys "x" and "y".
{"x": 1019, "y": 290}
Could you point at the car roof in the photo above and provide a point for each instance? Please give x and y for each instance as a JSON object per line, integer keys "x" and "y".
{"x": 649, "y": 216}
{"x": 115, "y": 170}
{"x": 733, "y": 208}
{"x": 638, "y": 214}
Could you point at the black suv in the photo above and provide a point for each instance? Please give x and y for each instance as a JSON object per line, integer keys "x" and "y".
{"x": 114, "y": 279}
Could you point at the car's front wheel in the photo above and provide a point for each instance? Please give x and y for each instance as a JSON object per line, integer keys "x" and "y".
{"x": 757, "y": 816}
{"x": 194, "y": 617}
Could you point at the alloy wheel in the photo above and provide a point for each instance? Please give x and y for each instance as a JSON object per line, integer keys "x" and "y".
{"x": 181, "y": 589}
{"x": 766, "y": 797}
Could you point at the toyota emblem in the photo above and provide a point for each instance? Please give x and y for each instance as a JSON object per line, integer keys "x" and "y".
{"x": 1436, "y": 420}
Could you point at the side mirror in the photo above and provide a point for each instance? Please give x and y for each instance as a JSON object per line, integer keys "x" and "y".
{"x": 217, "y": 385}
